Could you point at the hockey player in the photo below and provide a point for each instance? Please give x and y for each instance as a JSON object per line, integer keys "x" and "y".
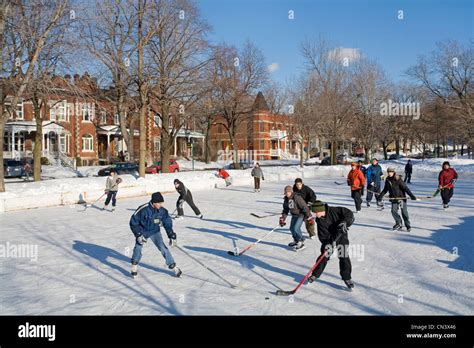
{"x": 408, "y": 171}
{"x": 185, "y": 195}
{"x": 362, "y": 168}
{"x": 222, "y": 173}
{"x": 398, "y": 190}
{"x": 374, "y": 177}
{"x": 145, "y": 224}
{"x": 309, "y": 197}
{"x": 111, "y": 189}
{"x": 447, "y": 178}
{"x": 356, "y": 180}
{"x": 257, "y": 174}
{"x": 333, "y": 224}
{"x": 299, "y": 210}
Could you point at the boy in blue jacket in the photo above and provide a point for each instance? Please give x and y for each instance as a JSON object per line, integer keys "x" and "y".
{"x": 374, "y": 176}
{"x": 145, "y": 223}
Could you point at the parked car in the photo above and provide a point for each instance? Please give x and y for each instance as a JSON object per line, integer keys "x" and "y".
{"x": 394, "y": 156}
{"x": 12, "y": 168}
{"x": 121, "y": 168}
{"x": 243, "y": 165}
{"x": 156, "y": 168}
{"x": 326, "y": 161}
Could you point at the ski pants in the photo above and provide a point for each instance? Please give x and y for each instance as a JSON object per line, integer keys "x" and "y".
{"x": 357, "y": 196}
{"x": 295, "y": 227}
{"x": 374, "y": 188}
{"x": 407, "y": 177}
{"x": 188, "y": 199}
{"x": 404, "y": 206}
{"x": 158, "y": 241}
{"x": 342, "y": 249}
{"x": 256, "y": 182}
{"x": 447, "y": 194}
{"x": 111, "y": 195}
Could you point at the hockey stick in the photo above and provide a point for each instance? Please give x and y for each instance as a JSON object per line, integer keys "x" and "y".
{"x": 439, "y": 190}
{"x": 400, "y": 198}
{"x": 90, "y": 205}
{"x": 233, "y": 253}
{"x": 292, "y": 292}
{"x": 203, "y": 265}
{"x": 264, "y": 216}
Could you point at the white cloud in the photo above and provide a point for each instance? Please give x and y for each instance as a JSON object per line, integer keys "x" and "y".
{"x": 342, "y": 53}
{"x": 273, "y": 67}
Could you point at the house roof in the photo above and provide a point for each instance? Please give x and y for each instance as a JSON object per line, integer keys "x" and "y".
{"x": 260, "y": 103}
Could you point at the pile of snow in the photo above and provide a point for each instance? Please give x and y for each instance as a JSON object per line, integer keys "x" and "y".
{"x": 76, "y": 190}
{"x": 60, "y": 172}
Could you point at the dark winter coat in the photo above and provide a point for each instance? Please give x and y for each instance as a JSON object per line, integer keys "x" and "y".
{"x": 374, "y": 174}
{"x": 446, "y": 176}
{"x": 327, "y": 225}
{"x": 296, "y": 206}
{"x": 396, "y": 188}
{"x": 146, "y": 221}
{"x": 409, "y": 168}
{"x": 306, "y": 193}
{"x": 363, "y": 169}
{"x": 182, "y": 190}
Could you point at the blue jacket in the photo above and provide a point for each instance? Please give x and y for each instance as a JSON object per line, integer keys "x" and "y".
{"x": 146, "y": 221}
{"x": 374, "y": 174}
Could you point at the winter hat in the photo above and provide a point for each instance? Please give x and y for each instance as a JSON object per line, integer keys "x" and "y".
{"x": 298, "y": 180}
{"x": 318, "y": 207}
{"x": 176, "y": 181}
{"x": 390, "y": 169}
{"x": 354, "y": 164}
{"x": 446, "y": 162}
{"x": 288, "y": 189}
{"x": 157, "y": 197}
{"x": 374, "y": 159}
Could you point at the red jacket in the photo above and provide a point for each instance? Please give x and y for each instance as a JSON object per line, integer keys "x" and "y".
{"x": 223, "y": 174}
{"x": 446, "y": 176}
{"x": 356, "y": 179}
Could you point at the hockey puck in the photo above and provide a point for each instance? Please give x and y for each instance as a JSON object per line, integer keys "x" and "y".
{"x": 267, "y": 298}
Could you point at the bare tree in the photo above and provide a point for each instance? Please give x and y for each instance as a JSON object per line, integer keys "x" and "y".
{"x": 333, "y": 72}
{"x": 23, "y": 54}
{"x": 447, "y": 73}
{"x": 239, "y": 76}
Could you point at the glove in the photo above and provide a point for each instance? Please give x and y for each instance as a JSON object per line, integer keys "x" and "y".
{"x": 452, "y": 182}
{"x": 119, "y": 180}
{"x": 172, "y": 235}
{"x": 140, "y": 240}
{"x": 173, "y": 242}
{"x": 342, "y": 228}
{"x": 372, "y": 184}
{"x": 263, "y": 179}
{"x": 282, "y": 221}
{"x": 414, "y": 198}
{"x": 310, "y": 221}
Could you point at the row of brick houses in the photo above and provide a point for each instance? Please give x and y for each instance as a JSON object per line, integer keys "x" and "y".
{"x": 82, "y": 130}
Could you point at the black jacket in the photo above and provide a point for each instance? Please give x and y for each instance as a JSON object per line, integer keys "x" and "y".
{"x": 396, "y": 188}
{"x": 327, "y": 225}
{"x": 306, "y": 193}
{"x": 182, "y": 190}
{"x": 296, "y": 206}
{"x": 409, "y": 168}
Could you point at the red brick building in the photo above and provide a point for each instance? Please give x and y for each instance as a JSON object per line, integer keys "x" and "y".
{"x": 81, "y": 130}
{"x": 260, "y": 136}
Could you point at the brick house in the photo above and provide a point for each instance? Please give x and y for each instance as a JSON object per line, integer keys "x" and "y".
{"x": 262, "y": 135}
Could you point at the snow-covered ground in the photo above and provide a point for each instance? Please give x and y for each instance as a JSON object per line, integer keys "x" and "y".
{"x": 82, "y": 264}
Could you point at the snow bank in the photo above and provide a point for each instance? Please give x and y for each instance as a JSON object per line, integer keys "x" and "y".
{"x": 430, "y": 168}
{"x": 68, "y": 191}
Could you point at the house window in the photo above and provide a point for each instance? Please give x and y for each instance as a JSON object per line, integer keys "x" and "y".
{"x": 62, "y": 143}
{"x": 262, "y": 144}
{"x": 116, "y": 119}
{"x": 103, "y": 117}
{"x": 87, "y": 142}
{"x": 86, "y": 110}
{"x": 157, "y": 144}
{"x": 18, "y": 110}
{"x": 157, "y": 121}
{"x": 58, "y": 111}
{"x": 262, "y": 127}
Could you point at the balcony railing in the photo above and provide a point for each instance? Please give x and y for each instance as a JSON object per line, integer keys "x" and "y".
{"x": 277, "y": 134}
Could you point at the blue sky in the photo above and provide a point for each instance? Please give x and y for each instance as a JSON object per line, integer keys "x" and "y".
{"x": 369, "y": 25}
